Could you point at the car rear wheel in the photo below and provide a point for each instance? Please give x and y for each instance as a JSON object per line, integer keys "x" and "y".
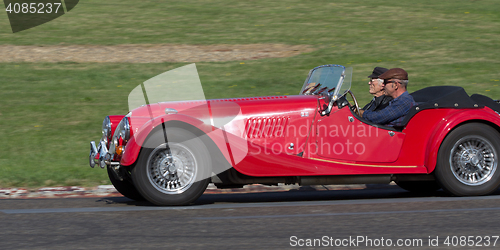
{"x": 419, "y": 186}
{"x": 468, "y": 160}
{"x": 172, "y": 173}
{"x": 125, "y": 187}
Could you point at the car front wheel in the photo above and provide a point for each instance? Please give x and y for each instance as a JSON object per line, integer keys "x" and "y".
{"x": 174, "y": 172}
{"x": 468, "y": 160}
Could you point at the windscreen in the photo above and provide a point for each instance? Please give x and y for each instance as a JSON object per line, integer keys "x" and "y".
{"x": 325, "y": 77}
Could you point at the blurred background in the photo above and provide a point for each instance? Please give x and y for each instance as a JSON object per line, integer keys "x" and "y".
{"x": 59, "y": 80}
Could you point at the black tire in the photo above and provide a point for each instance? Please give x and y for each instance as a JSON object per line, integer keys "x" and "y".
{"x": 125, "y": 187}
{"x": 419, "y": 186}
{"x": 160, "y": 181}
{"x": 468, "y": 160}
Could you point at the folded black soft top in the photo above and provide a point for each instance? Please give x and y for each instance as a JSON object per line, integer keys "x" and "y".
{"x": 447, "y": 97}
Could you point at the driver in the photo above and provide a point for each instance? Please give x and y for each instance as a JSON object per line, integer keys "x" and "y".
{"x": 395, "y": 83}
{"x": 380, "y": 100}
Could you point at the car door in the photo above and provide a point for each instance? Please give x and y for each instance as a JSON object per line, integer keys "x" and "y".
{"x": 342, "y": 136}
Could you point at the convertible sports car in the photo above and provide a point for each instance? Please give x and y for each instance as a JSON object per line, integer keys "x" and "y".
{"x": 168, "y": 152}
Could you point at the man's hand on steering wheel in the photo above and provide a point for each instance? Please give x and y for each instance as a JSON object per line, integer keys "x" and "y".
{"x": 354, "y": 109}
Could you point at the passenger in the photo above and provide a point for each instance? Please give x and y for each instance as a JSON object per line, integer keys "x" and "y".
{"x": 380, "y": 100}
{"x": 395, "y": 83}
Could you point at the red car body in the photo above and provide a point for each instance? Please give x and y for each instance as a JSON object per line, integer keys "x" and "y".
{"x": 412, "y": 150}
{"x": 288, "y": 139}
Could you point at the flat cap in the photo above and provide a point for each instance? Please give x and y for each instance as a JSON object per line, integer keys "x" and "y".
{"x": 395, "y": 73}
{"x": 377, "y": 71}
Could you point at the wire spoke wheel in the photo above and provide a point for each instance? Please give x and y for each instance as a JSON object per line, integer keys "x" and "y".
{"x": 473, "y": 160}
{"x": 172, "y": 173}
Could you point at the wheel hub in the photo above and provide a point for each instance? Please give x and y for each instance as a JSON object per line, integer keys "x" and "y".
{"x": 475, "y": 159}
{"x": 471, "y": 160}
{"x": 169, "y": 166}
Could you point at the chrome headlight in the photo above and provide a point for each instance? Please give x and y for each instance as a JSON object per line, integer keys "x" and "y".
{"x": 123, "y": 130}
{"x": 106, "y": 130}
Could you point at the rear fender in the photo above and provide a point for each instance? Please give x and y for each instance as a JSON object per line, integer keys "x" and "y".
{"x": 452, "y": 121}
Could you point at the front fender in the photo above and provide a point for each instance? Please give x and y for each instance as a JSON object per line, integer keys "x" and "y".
{"x": 134, "y": 145}
{"x": 452, "y": 121}
{"x": 231, "y": 148}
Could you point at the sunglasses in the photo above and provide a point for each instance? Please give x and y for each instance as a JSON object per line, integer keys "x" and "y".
{"x": 386, "y": 82}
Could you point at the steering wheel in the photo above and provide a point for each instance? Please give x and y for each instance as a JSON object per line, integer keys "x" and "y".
{"x": 308, "y": 90}
{"x": 356, "y": 106}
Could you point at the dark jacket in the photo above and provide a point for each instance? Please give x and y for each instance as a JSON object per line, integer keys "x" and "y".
{"x": 378, "y": 103}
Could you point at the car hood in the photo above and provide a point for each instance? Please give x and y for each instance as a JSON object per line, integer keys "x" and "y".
{"x": 219, "y": 112}
{"x": 248, "y": 106}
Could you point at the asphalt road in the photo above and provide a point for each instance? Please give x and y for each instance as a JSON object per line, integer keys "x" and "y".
{"x": 351, "y": 219}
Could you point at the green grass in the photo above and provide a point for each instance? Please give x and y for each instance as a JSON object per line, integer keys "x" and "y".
{"x": 50, "y": 111}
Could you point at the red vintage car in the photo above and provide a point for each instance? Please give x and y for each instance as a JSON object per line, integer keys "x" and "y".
{"x": 168, "y": 152}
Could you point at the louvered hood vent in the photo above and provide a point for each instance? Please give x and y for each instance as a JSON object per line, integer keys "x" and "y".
{"x": 268, "y": 127}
